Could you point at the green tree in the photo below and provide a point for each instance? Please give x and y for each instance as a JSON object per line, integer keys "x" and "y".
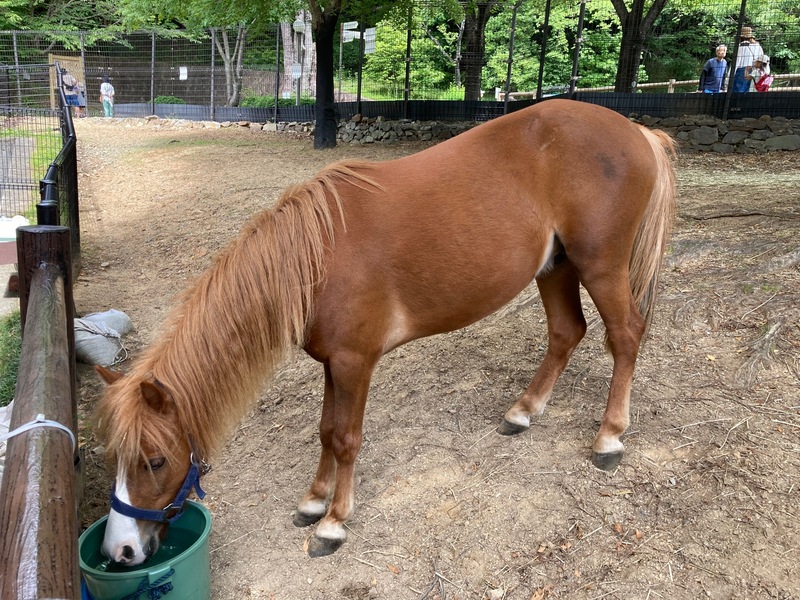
{"x": 231, "y": 20}
{"x": 636, "y": 26}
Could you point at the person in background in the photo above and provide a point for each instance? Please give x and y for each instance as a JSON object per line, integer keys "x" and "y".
{"x": 81, "y": 93}
{"x": 107, "y": 97}
{"x": 759, "y": 74}
{"x": 713, "y": 76}
{"x": 70, "y": 85}
{"x": 749, "y": 50}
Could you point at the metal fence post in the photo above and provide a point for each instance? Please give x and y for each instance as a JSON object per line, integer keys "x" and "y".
{"x": 213, "y": 48}
{"x": 277, "y": 72}
{"x": 152, "y": 72}
{"x": 407, "y": 90}
{"x": 16, "y": 68}
{"x": 543, "y": 52}
{"x": 727, "y": 105}
{"x": 573, "y": 81}
{"x": 510, "y": 60}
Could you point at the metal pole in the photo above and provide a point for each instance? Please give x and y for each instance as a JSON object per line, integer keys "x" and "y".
{"x": 728, "y": 94}
{"x": 153, "y": 73}
{"x": 543, "y": 52}
{"x": 360, "y": 62}
{"x": 299, "y": 52}
{"x": 85, "y": 112}
{"x": 510, "y": 60}
{"x": 407, "y": 91}
{"x": 16, "y": 69}
{"x": 578, "y": 41}
{"x": 47, "y": 209}
{"x": 341, "y": 45}
{"x": 277, "y": 72}
{"x": 213, "y": 48}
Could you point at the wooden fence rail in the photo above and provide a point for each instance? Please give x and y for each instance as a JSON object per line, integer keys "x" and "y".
{"x": 669, "y": 86}
{"x": 38, "y": 496}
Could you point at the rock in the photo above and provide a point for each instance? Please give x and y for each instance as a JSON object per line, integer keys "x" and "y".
{"x": 704, "y": 135}
{"x": 734, "y": 137}
{"x": 783, "y": 142}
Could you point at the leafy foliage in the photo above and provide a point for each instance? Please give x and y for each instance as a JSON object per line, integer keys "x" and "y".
{"x": 269, "y": 101}
{"x": 168, "y": 100}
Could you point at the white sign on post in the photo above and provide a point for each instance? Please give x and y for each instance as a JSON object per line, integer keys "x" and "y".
{"x": 183, "y": 73}
{"x": 369, "y": 40}
{"x": 350, "y": 25}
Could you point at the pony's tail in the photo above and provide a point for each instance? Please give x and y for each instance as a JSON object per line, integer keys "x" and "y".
{"x": 655, "y": 227}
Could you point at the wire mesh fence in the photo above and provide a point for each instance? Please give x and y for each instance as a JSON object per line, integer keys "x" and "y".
{"x": 30, "y": 139}
{"x": 502, "y": 51}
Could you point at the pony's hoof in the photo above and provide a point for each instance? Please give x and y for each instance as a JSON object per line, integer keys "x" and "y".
{"x": 607, "y": 461}
{"x": 301, "y": 519}
{"x": 509, "y": 428}
{"x": 317, "y": 546}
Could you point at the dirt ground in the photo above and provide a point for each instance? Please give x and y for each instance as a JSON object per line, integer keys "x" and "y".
{"x": 705, "y": 503}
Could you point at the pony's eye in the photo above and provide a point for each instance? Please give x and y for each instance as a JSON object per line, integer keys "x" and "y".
{"x": 155, "y": 463}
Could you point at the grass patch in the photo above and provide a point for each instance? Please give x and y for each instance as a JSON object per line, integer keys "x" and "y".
{"x": 10, "y": 347}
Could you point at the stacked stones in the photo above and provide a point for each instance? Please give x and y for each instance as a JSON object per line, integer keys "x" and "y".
{"x": 361, "y": 130}
{"x": 693, "y": 133}
{"x": 744, "y": 136}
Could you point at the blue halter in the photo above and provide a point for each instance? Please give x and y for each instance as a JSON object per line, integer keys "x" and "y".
{"x": 174, "y": 509}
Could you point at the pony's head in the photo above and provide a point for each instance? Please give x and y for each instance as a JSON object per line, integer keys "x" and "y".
{"x": 155, "y": 466}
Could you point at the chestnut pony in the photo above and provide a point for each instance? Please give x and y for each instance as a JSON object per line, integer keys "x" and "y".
{"x": 365, "y": 257}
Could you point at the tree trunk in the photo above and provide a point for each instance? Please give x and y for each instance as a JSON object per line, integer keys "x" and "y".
{"x": 630, "y": 54}
{"x": 635, "y": 28}
{"x": 232, "y": 58}
{"x": 325, "y": 29}
{"x": 474, "y": 42}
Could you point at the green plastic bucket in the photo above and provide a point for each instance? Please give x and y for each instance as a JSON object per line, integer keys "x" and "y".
{"x": 180, "y": 570}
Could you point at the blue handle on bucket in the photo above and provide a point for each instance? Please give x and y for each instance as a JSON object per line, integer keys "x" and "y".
{"x": 156, "y": 584}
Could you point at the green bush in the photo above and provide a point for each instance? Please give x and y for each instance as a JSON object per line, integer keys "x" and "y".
{"x": 269, "y": 101}
{"x": 10, "y": 346}
{"x": 169, "y": 100}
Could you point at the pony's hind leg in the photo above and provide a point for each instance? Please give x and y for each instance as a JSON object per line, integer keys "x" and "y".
{"x": 612, "y": 296}
{"x": 566, "y": 327}
{"x": 349, "y": 383}
{"x": 314, "y": 504}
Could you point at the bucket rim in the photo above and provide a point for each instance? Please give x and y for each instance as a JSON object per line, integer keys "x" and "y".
{"x": 144, "y": 571}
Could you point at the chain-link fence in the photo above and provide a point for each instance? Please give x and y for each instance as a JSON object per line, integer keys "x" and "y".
{"x": 503, "y": 51}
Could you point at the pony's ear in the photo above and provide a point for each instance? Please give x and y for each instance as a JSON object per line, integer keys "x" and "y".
{"x": 107, "y": 375}
{"x": 154, "y": 396}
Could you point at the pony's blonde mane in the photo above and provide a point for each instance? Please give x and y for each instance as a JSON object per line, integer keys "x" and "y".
{"x": 235, "y": 325}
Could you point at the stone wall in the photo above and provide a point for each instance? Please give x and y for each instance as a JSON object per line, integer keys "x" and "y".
{"x": 693, "y": 133}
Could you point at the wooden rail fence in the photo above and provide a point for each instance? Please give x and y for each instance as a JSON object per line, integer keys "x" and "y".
{"x": 38, "y": 496}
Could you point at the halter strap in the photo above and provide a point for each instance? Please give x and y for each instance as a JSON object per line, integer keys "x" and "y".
{"x": 174, "y": 509}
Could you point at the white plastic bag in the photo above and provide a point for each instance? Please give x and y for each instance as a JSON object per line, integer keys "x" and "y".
{"x": 5, "y": 420}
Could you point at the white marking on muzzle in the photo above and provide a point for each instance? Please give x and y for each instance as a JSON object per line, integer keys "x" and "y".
{"x": 122, "y": 531}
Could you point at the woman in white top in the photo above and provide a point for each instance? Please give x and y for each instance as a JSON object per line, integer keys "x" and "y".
{"x": 749, "y": 50}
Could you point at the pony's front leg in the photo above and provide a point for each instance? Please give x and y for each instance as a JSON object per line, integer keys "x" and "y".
{"x": 314, "y": 504}
{"x": 349, "y": 380}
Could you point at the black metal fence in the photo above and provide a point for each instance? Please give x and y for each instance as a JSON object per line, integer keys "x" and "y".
{"x": 38, "y": 156}
{"x": 530, "y": 49}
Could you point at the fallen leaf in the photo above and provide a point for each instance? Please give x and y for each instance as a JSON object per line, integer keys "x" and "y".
{"x": 618, "y": 528}
{"x": 393, "y": 569}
